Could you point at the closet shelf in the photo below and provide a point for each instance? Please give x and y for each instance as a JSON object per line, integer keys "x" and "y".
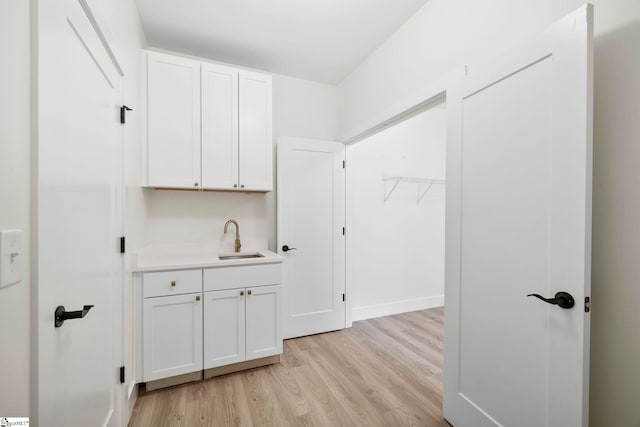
{"x": 395, "y": 180}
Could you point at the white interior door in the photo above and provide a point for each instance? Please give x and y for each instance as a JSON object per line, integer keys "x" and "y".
{"x": 78, "y": 181}
{"x": 311, "y": 215}
{"x": 519, "y": 166}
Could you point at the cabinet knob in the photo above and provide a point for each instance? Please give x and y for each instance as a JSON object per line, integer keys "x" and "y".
{"x": 248, "y": 292}
{"x": 173, "y": 283}
{"x": 197, "y": 297}
{"x": 235, "y": 185}
{"x": 195, "y": 184}
{"x": 241, "y": 293}
{"x": 242, "y": 186}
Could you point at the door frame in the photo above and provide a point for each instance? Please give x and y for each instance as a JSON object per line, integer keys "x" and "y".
{"x": 119, "y": 357}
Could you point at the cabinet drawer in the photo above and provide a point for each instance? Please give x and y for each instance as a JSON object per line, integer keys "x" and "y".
{"x": 216, "y": 279}
{"x": 171, "y": 283}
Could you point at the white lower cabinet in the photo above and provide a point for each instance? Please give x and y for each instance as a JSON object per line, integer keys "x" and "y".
{"x": 242, "y": 324}
{"x": 264, "y": 321}
{"x": 224, "y": 319}
{"x": 172, "y": 335}
{"x": 194, "y": 319}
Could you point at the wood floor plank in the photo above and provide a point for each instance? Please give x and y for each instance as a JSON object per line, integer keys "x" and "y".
{"x": 291, "y": 357}
{"x": 397, "y": 388}
{"x": 288, "y": 390}
{"x": 380, "y": 372}
{"x": 410, "y": 375}
{"x": 227, "y": 403}
{"x": 325, "y": 409}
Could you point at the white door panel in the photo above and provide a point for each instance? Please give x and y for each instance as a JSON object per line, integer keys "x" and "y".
{"x": 311, "y": 220}
{"x": 78, "y": 220}
{"x": 518, "y": 222}
{"x": 509, "y": 200}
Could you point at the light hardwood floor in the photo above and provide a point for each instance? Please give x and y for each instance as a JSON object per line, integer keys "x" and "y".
{"x": 380, "y": 372}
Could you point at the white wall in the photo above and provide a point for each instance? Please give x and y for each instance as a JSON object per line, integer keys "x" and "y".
{"x": 395, "y": 249}
{"x": 446, "y": 34}
{"x": 15, "y": 170}
{"x": 428, "y": 46}
{"x": 300, "y": 108}
{"x": 441, "y": 37}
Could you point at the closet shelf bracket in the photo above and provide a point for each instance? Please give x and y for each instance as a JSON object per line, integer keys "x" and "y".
{"x": 395, "y": 180}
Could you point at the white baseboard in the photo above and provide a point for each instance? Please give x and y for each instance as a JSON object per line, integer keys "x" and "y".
{"x": 396, "y": 307}
{"x": 131, "y": 398}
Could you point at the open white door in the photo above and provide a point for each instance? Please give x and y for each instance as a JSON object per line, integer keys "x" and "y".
{"x": 311, "y": 214}
{"x": 519, "y": 165}
{"x": 78, "y": 184}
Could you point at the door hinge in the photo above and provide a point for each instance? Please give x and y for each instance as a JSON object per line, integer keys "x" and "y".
{"x": 122, "y": 245}
{"x": 343, "y": 231}
{"x": 587, "y": 304}
{"x": 121, "y": 374}
{"x": 123, "y": 111}
{"x": 342, "y": 297}
{"x": 343, "y": 164}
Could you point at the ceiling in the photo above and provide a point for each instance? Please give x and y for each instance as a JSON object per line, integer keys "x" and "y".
{"x": 320, "y": 40}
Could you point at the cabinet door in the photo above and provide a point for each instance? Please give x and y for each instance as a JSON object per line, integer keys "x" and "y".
{"x": 264, "y": 321}
{"x": 224, "y": 327}
{"x": 172, "y": 329}
{"x": 173, "y": 121}
{"x": 256, "y": 145}
{"x": 219, "y": 127}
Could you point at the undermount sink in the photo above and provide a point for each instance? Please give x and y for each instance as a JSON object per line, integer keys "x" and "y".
{"x": 240, "y": 256}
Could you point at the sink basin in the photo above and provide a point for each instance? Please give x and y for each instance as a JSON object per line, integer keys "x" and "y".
{"x": 245, "y": 255}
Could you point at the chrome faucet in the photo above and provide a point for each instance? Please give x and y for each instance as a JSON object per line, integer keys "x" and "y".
{"x": 232, "y": 221}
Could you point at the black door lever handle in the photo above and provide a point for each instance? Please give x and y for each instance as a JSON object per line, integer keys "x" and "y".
{"x": 561, "y": 299}
{"x": 61, "y": 314}
{"x": 286, "y": 248}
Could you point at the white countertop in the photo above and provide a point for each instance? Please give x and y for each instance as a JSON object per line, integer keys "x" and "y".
{"x": 197, "y": 255}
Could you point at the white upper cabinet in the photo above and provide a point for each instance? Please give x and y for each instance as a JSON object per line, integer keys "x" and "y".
{"x": 219, "y": 127}
{"x": 173, "y": 118}
{"x": 255, "y": 128}
{"x": 209, "y": 126}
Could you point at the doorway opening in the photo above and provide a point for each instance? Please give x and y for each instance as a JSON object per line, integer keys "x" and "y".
{"x": 396, "y": 217}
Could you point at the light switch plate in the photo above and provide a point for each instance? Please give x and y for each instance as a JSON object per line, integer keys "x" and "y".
{"x": 11, "y": 257}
